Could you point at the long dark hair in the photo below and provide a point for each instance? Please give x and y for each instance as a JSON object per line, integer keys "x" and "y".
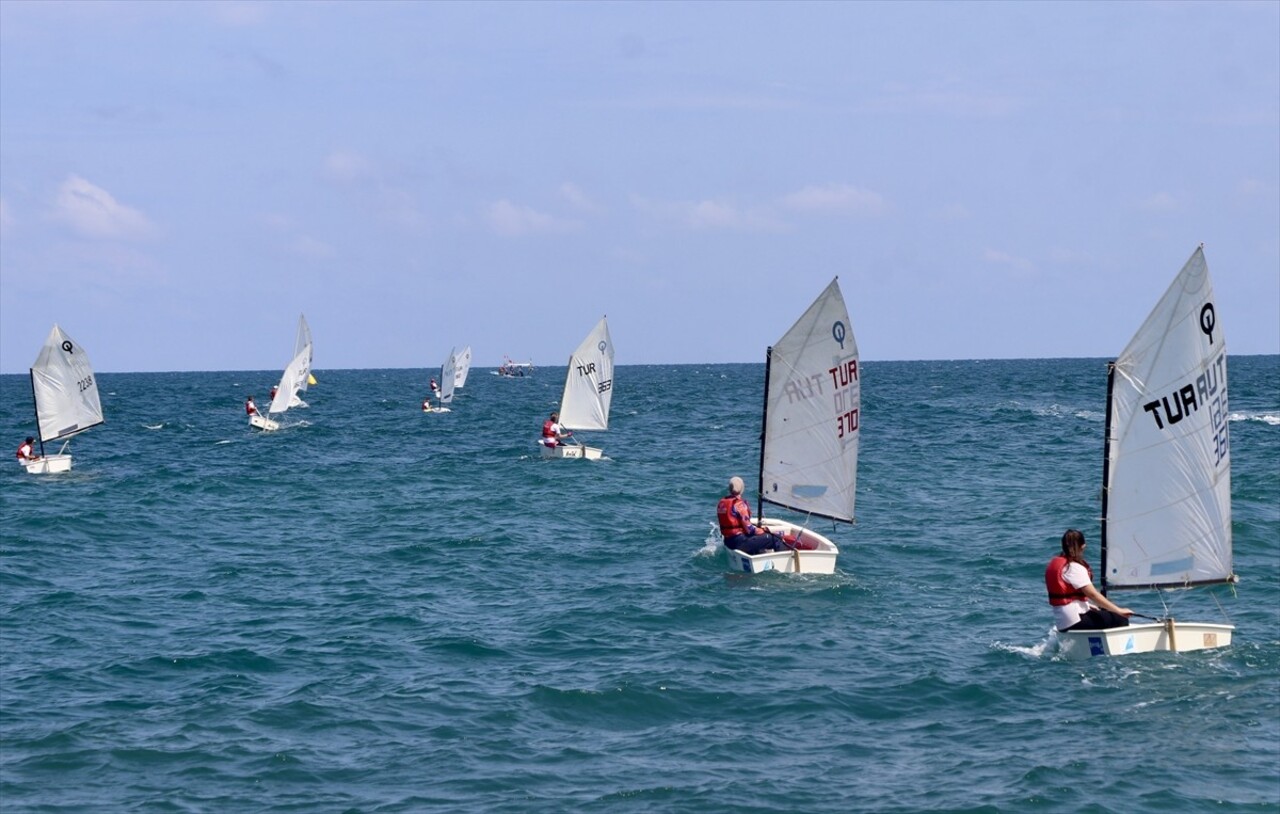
{"x": 1073, "y": 546}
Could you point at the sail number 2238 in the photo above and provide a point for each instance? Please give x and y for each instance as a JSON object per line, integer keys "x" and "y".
{"x": 85, "y": 383}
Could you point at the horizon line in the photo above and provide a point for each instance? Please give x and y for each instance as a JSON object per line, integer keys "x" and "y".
{"x": 637, "y": 364}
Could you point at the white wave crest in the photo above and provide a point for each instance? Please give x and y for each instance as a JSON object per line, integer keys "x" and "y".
{"x": 1265, "y": 417}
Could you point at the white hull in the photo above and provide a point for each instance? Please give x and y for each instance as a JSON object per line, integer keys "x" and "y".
{"x": 48, "y": 465}
{"x": 436, "y": 410}
{"x": 1171, "y": 636}
{"x": 572, "y": 451}
{"x": 820, "y": 560}
{"x": 263, "y": 423}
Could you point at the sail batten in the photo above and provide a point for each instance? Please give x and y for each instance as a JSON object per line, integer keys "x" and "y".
{"x": 813, "y": 405}
{"x": 65, "y": 389}
{"x": 588, "y": 385}
{"x": 1167, "y": 467}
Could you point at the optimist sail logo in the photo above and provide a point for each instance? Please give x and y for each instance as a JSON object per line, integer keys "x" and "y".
{"x": 1208, "y": 320}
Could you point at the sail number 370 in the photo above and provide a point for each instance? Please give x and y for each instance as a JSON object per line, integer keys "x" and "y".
{"x": 847, "y": 423}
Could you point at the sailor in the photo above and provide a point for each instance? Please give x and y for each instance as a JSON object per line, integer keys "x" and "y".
{"x": 552, "y": 434}
{"x": 26, "y": 452}
{"x": 734, "y": 516}
{"x": 249, "y": 407}
{"x": 1077, "y": 605}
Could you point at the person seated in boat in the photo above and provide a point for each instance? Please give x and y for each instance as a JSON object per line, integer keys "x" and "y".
{"x": 426, "y": 405}
{"x": 1077, "y": 605}
{"x": 26, "y": 452}
{"x": 734, "y": 516}
{"x": 250, "y": 408}
{"x": 275, "y": 388}
{"x": 552, "y": 433}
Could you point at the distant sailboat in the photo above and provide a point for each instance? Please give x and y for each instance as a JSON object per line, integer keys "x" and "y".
{"x": 588, "y": 392}
{"x": 65, "y": 392}
{"x": 809, "y": 439}
{"x": 292, "y": 381}
{"x": 444, "y": 391}
{"x": 462, "y": 366}
{"x": 1166, "y": 473}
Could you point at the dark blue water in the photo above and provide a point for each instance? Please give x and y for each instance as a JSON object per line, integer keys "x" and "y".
{"x": 376, "y": 610}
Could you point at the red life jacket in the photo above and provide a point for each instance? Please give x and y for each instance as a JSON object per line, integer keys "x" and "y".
{"x": 24, "y": 451}
{"x": 250, "y": 408}
{"x": 1062, "y": 592}
{"x": 731, "y": 522}
{"x": 547, "y": 432}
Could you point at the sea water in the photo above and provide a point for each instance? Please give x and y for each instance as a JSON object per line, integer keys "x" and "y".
{"x": 380, "y": 610}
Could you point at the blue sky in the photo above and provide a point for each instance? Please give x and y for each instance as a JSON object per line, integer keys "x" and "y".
{"x": 178, "y": 181}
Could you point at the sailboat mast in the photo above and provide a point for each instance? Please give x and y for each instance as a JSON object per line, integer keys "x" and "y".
{"x": 1106, "y": 475}
{"x": 35, "y": 405}
{"x": 764, "y": 423}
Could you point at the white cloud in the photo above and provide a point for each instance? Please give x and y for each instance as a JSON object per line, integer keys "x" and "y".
{"x": 1250, "y": 188}
{"x": 955, "y": 212}
{"x": 710, "y": 215}
{"x": 1070, "y": 257}
{"x": 948, "y": 97}
{"x": 239, "y": 14}
{"x": 835, "y": 198}
{"x": 511, "y": 220}
{"x": 999, "y": 258}
{"x": 93, "y": 212}
{"x": 572, "y": 193}
{"x": 709, "y": 102}
{"x": 1160, "y": 202}
{"x": 347, "y": 167}
{"x": 308, "y": 246}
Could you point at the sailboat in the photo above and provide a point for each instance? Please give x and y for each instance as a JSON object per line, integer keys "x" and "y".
{"x": 809, "y": 436}
{"x": 462, "y": 366}
{"x": 292, "y": 381}
{"x": 444, "y": 391}
{"x": 66, "y": 398}
{"x": 1166, "y": 471}
{"x": 302, "y": 344}
{"x": 588, "y": 392}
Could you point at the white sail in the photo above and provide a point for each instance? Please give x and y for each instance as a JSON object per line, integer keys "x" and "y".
{"x": 447, "y": 378}
{"x": 291, "y": 381}
{"x": 462, "y": 366}
{"x": 303, "y": 342}
{"x": 65, "y": 390}
{"x": 813, "y": 408}
{"x": 588, "y": 387}
{"x": 1167, "y": 489}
